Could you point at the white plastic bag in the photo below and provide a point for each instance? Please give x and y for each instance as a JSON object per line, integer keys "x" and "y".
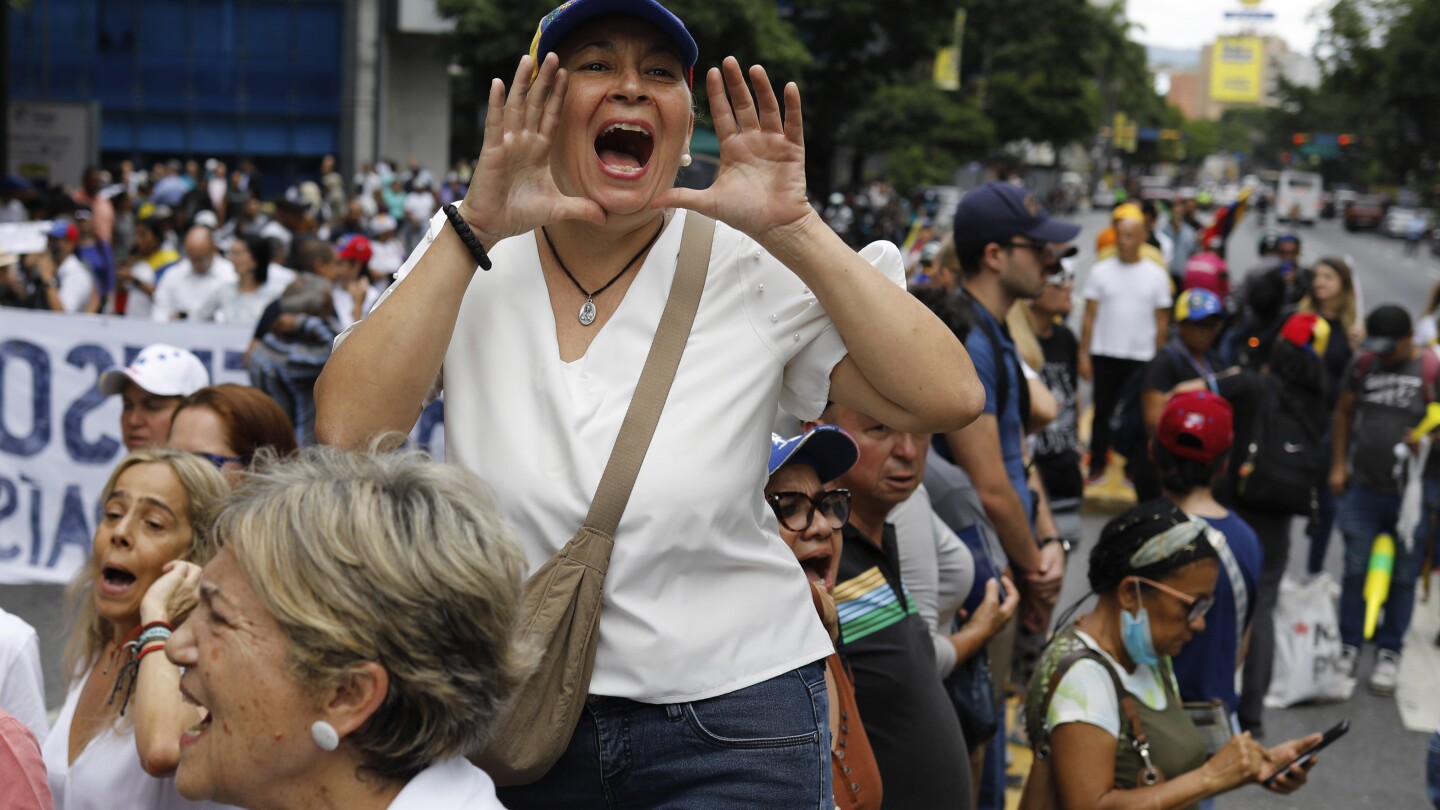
{"x": 1307, "y": 644}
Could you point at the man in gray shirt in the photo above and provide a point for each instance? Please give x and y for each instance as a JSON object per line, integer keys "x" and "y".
{"x": 1384, "y": 394}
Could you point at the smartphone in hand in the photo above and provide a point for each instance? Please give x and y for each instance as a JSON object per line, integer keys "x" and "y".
{"x": 1334, "y": 733}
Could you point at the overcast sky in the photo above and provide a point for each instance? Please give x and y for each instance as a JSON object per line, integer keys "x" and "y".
{"x": 1189, "y": 24}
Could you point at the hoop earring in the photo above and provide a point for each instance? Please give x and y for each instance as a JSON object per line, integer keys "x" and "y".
{"x": 685, "y": 160}
{"x": 324, "y": 735}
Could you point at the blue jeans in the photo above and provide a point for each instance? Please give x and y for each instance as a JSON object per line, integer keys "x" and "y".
{"x": 1432, "y": 770}
{"x": 1363, "y": 514}
{"x": 766, "y": 745}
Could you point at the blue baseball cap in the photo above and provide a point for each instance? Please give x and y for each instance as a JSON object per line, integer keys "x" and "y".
{"x": 1197, "y": 304}
{"x": 566, "y": 17}
{"x": 827, "y": 448}
{"x": 995, "y": 212}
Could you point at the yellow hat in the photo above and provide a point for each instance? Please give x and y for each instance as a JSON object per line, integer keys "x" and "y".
{"x": 1127, "y": 211}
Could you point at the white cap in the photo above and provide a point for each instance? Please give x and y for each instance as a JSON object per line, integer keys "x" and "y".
{"x": 207, "y": 218}
{"x": 380, "y": 223}
{"x": 159, "y": 369}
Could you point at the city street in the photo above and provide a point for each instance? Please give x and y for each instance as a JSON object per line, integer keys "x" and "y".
{"x": 1379, "y": 764}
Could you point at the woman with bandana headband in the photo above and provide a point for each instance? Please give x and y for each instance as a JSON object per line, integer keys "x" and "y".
{"x": 1103, "y": 712}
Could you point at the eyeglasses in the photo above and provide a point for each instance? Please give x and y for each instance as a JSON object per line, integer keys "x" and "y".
{"x": 796, "y": 510}
{"x": 1199, "y": 605}
{"x": 1039, "y": 248}
{"x": 220, "y": 461}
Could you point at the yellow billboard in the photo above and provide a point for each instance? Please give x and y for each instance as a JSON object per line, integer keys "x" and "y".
{"x": 1236, "y": 70}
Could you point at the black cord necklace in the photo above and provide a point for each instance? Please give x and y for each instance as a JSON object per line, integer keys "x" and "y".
{"x": 587, "y": 310}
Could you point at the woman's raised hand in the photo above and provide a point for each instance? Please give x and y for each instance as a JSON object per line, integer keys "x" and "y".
{"x": 171, "y": 597}
{"x": 513, "y": 191}
{"x": 760, "y": 187}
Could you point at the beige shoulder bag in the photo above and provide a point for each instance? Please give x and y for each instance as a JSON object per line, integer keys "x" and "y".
{"x": 560, "y": 614}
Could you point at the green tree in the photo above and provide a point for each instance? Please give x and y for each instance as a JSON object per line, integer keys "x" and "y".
{"x": 924, "y": 132}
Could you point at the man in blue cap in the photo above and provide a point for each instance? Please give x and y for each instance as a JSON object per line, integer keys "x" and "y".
{"x": 1002, "y": 238}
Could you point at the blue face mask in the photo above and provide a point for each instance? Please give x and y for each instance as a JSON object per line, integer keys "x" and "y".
{"x": 1135, "y": 632}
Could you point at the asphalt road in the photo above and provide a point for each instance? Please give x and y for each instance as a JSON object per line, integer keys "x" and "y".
{"x": 1379, "y": 764}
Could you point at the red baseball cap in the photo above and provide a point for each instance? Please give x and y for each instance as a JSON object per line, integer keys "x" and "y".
{"x": 355, "y": 247}
{"x": 1197, "y": 425}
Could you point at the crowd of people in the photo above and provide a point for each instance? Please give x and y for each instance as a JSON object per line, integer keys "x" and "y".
{"x": 795, "y": 566}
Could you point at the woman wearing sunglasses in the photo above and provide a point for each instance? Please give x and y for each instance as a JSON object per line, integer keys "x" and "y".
{"x": 228, "y": 424}
{"x": 1103, "y": 712}
{"x": 810, "y": 519}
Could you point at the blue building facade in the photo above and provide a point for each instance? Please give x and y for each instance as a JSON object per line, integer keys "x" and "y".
{"x": 232, "y": 79}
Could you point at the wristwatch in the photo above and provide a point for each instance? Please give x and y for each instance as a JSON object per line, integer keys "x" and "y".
{"x": 1065, "y": 544}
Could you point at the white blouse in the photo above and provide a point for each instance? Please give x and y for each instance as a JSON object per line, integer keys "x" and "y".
{"x": 107, "y": 773}
{"x": 702, "y": 597}
{"x": 454, "y": 784}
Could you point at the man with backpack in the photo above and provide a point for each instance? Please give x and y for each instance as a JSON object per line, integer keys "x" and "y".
{"x": 1385, "y": 394}
{"x": 1279, "y": 457}
{"x": 1002, "y": 237}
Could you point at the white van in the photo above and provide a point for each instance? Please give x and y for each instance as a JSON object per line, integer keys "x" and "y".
{"x": 1297, "y": 196}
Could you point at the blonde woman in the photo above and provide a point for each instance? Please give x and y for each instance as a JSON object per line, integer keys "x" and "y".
{"x": 353, "y": 639}
{"x": 1332, "y": 296}
{"x": 117, "y": 738}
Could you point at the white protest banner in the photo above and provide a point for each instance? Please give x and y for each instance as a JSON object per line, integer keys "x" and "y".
{"x": 60, "y": 437}
{"x": 24, "y": 237}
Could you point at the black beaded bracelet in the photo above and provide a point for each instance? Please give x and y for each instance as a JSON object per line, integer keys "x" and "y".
{"x": 462, "y": 230}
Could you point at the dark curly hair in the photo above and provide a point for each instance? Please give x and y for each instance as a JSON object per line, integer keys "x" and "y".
{"x": 1124, "y": 535}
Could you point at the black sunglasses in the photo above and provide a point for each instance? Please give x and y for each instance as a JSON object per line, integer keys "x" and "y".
{"x": 796, "y": 510}
{"x": 220, "y": 461}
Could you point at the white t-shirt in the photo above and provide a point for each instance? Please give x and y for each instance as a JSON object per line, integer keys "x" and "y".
{"x": 454, "y": 784}
{"x": 702, "y": 596}
{"x": 22, "y": 685}
{"x": 76, "y": 284}
{"x": 181, "y": 289}
{"x": 278, "y": 277}
{"x": 1128, "y": 295}
{"x": 1087, "y": 695}
{"x": 345, "y": 304}
{"x": 419, "y": 206}
{"x": 937, "y": 568}
{"x": 107, "y": 773}
{"x": 387, "y": 256}
{"x": 138, "y": 303}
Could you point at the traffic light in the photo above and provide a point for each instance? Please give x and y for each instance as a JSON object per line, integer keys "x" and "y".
{"x": 1345, "y": 140}
{"x": 1300, "y": 139}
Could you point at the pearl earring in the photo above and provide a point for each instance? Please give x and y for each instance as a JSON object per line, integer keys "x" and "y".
{"x": 325, "y": 735}
{"x": 685, "y": 160}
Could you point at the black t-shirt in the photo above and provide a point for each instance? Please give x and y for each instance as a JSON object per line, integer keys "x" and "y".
{"x": 1337, "y": 359}
{"x": 1175, "y": 365}
{"x": 1057, "y": 447}
{"x": 907, "y": 714}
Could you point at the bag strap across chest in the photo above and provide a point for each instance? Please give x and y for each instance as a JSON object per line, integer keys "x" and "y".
{"x": 1129, "y": 708}
{"x": 618, "y": 480}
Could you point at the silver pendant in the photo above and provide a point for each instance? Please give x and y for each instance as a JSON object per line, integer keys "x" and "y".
{"x": 587, "y": 312}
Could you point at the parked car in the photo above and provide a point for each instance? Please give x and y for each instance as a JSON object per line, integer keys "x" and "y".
{"x": 1366, "y": 213}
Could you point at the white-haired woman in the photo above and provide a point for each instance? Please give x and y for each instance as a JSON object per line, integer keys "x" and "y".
{"x": 353, "y": 638}
{"x": 116, "y": 740}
